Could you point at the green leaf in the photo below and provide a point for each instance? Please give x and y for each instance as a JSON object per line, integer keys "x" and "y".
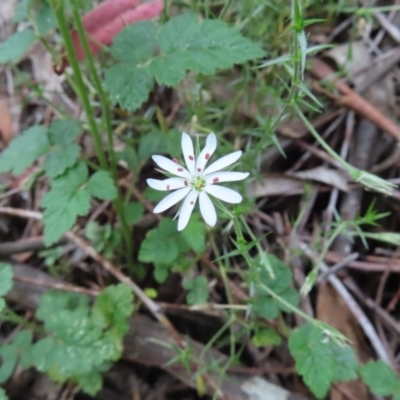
{"x": 314, "y": 362}
{"x": 101, "y": 185}
{"x": 291, "y": 295}
{"x": 133, "y": 212}
{"x": 152, "y": 143}
{"x": 2, "y": 304}
{"x": 128, "y": 85}
{"x": 9, "y": 360}
{"x": 266, "y": 337}
{"x": 60, "y": 159}
{"x": 65, "y": 202}
{"x": 15, "y": 46}
{"x": 198, "y": 290}
{"x": 195, "y": 235}
{"x": 45, "y": 19}
{"x": 161, "y": 245}
{"x": 64, "y": 132}
{"x": 136, "y": 43}
{"x": 161, "y": 272}
{"x": 128, "y": 154}
{"x": 24, "y": 150}
{"x": 379, "y": 377}
{"x": 115, "y": 304}
{"x": 3, "y": 395}
{"x": 90, "y": 383}
{"x": 282, "y": 275}
{"x": 186, "y": 44}
{"x": 345, "y": 360}
{"x": 266, "y": 307}
{"x": 6, "y": 278}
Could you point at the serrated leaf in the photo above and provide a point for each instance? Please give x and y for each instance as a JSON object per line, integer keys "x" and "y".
{"x": 65, "y": 202}
{"x": 60, "y": 159}
{"x": 136, "y": 43}
{"x": 161, "y": 244}
{"x": 115, "y": 304}
{"x": 63, "y": 206}
{"x": 291, "y": 295}
{"x": 266, "y": 337}
{"x": 282, "y": 275}
{"x": 160, "y": 272}
{"x": 6, "y": 278}
{"x": 101, "y": 185}
{"x": 24, "y": 150}
{"x": 198, "y": 290}
{"x": 346, "y": 363}
{"x": 128, "y": 85}
{"x": 15, "y": 46}
{"x": 133, "y": 212}
{"x": 186, "y": 44}
{"x": 308, "y": 345}
{"x": 64, "y": 132}
{"x": 128, "y": 154}
{"x": 195, "y": 235}
{"x": 379, "y": 377}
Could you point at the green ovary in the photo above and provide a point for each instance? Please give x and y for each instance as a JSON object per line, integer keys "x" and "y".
{"x": 198, "y": 183}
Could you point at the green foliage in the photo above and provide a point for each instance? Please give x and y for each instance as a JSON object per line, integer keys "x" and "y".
{"x": 66, "y": 200}
{"x": 183, "y": 44}
{"x": 381, "y": 379}
{"x": 264, "y": 305}
{"x": 14, "y": 352}
{"x": 33, "y": 143}
{"x": 81, "y": 341}
{"x": 164, "y": 245}
{"x": 6, "y": 278}
{"x": 198, "y": 290}
{"x": 101, "y": 185}
{"x": 63, "y": 152}
{"x": 320, "y": 359}
{"x": 69, "y": 198}
{"x": 104, "y": 238}
{"x": 15, "y": 46}
{"x": 266, "y": 337}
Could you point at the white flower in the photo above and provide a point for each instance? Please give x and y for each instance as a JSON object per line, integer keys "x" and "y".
{"x": 196, "y": 181}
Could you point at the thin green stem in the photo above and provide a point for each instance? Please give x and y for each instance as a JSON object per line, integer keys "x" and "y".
{"x": 58, "y": 7}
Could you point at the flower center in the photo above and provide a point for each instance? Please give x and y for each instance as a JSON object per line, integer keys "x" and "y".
{"x": 198, "y": 183}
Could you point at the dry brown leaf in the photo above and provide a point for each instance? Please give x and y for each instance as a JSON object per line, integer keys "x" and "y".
{"x": 329, "y": 176}
{"x": 6, "y": 123}
{"x": 276, "y": 185}
{"x": 333, "y": 310}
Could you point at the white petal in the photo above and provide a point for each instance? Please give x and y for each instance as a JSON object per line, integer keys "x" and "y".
{"x": 170, "y": 166}
{"x": 207, "y": 152}
{"x": 186, "y": 209}
{"x": 167, "y": 184}
{"x": 188, "y": 152}
{"x": 225, "y": 177}
{"x": 171, "y": 199}
{"x": 224, "y": 194}
{"x": 223, "y": 162}
{"x": 207, "y": 209}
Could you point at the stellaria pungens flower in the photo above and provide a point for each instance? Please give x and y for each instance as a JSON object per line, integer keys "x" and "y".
{"x": 197, "y": 181}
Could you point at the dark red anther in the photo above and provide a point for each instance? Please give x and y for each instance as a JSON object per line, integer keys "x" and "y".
{"x": 175, "y": 160}
{"x": 199, "y": 169}
{"x": 186, "y": 183}
{"x": 215, "y": 180}
{"x": 207, "y": 156}
{"x": 180, "y": 169}
{"x": 168, "y": 187}
{"x": 191, "y": 158}
{"x": 191, "y": 202}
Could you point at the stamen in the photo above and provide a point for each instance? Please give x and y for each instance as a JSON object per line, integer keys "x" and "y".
{"x": 186, "y": 183}
{"x": 168, "y": 186}
{"x": 175, "y": 160}
{"x": 180, "y": 169}
{"x": 191, "y": 158}
{"x": 207, "y": 156}
{"x": 191, "y": 202}
{"x": 199, "y": 169}
{"x": 215, "y": 180}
